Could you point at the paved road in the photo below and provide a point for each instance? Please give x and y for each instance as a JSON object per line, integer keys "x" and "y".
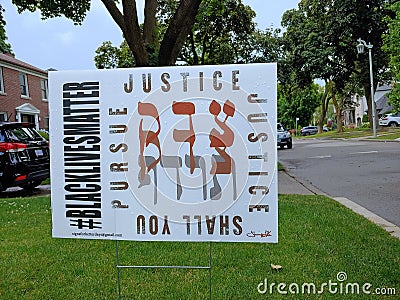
{"x": 365, "y": 172}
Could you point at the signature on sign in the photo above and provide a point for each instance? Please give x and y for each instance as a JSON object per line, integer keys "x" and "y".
{"x": 264, "y": 234}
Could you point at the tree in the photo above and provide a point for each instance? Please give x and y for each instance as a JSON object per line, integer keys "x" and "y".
{"x": 224, "y": 32}
{"x": 5, "y": 47}
{"x": 321, "y": 39}
{"x": 140, "y": 42}
{"x": 266, "y": 46}
{"x": 109, "y": 57}
{"x": 220, "y": 34}
{"x": 365, "y": 20}
{"x": 297, "y": 102}
{"x": 307, "y": 51}
{"x": 392, "y": 48}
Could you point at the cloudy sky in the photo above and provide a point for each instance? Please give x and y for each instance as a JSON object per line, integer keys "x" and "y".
{"x": 59, "y": 44}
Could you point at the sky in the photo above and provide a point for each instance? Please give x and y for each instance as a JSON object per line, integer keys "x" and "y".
{"x": 59, "y": 44}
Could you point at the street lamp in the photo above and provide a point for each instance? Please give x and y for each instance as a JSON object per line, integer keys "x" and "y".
{"x": 360, "y": 50}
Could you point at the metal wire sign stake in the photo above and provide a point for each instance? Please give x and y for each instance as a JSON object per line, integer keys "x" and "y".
{"x": 119, "y": 267}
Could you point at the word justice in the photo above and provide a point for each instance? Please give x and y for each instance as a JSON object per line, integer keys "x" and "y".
{"x": 165, "y": 81}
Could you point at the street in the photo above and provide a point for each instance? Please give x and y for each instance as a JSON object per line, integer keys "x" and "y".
{"x": 366, "y": 172}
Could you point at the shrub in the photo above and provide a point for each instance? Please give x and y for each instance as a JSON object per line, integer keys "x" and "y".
{"x": 365, "y": 125}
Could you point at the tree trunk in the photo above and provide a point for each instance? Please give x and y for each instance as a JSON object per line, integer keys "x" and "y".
{"x": 174, "y": 38}
{"x": 324, "y": 106}
{"x": 339, "y": 120}
{"x": 129, "y": 24}
{"x": 338, "y": 108}
{"x": 368, "y": 97}
{"x": 150, "y": 22}
{"x": 177, "y": 32}
{"x": 193, "y": 49}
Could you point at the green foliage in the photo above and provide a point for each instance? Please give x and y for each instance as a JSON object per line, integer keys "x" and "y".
{"x": 365, "y": 124}
{"x": 307, "y": 50}
{"x": 109, "y": 56}
{"x": 295, "y": 102}
{"x": 4, "y": 46}
{"x": 392, "y": 48}
{"x": 266, "y": 46}
{"x": 365, "y": 119}
{"x": 224, "y": 33}
{"x": 394, "y": 97}
{"x": 125, "y": 57}
{"x": 220, "y": 34}
{"x": 75, "y": 10}
{"x": 320, "y": 42}
{"x": 106, "y": 56}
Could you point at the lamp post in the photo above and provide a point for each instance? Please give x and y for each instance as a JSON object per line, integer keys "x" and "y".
{"x": 296, "y": 125}
{"x": 360, "y": 50}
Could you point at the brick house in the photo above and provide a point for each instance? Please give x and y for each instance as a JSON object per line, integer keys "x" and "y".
{"x": 23, "y": 92}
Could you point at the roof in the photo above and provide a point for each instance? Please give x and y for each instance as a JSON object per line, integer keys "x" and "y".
{"x": 10, "y": 59}
{"x": 381, "y": 99}
{"x": 382, "y": 102}
{"x": 382, "y": 105}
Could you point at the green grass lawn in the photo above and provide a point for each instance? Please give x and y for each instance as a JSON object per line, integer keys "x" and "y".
{"x": 318, "y": 239}
{"x": 383, "y": 133}
{"x": 390, "y": 134}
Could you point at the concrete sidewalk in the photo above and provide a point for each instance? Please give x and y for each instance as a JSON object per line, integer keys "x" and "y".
{"x": 290, "y": 185}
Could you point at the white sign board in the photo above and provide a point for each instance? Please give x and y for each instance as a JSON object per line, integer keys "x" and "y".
{"x": 166, "y": 154}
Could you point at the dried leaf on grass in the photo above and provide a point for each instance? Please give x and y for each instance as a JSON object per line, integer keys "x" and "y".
{"x": 276, "y": 267}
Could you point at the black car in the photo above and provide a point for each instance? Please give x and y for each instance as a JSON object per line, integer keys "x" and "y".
{"x": 283, "y": 137}
{"x": 24, "y": 156}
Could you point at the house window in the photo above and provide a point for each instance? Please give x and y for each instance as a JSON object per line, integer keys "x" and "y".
{"x": 1, "y": 81}
{"x": 46, "y": 123}
{"x": 3, "y": 116}
{"x": 23, "y": 84}
{"x": 44, "y": 88}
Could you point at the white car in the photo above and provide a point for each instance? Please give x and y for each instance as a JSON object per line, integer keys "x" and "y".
{"x": 392, "y": 120}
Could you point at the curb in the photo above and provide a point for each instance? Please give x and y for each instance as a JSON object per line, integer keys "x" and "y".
{"x": 366, "y": 139}
{"x": 376, "y": 141}
{"x": 391, "y": 228}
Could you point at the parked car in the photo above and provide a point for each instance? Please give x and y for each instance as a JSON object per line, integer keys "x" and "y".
{"x": 392, "y": 120}
{"x": 24, "y": 156}
{"x": 309, "y": 130}
{"x": 283, "y": 137}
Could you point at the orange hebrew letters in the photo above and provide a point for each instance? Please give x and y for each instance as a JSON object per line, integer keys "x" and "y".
{"x": 222, "y": 163}
{"x": 188, "y": 136}
{"x": 147, "y": 137}
{"x": 225, "y": 139}
{"x": 222, "y": 167}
